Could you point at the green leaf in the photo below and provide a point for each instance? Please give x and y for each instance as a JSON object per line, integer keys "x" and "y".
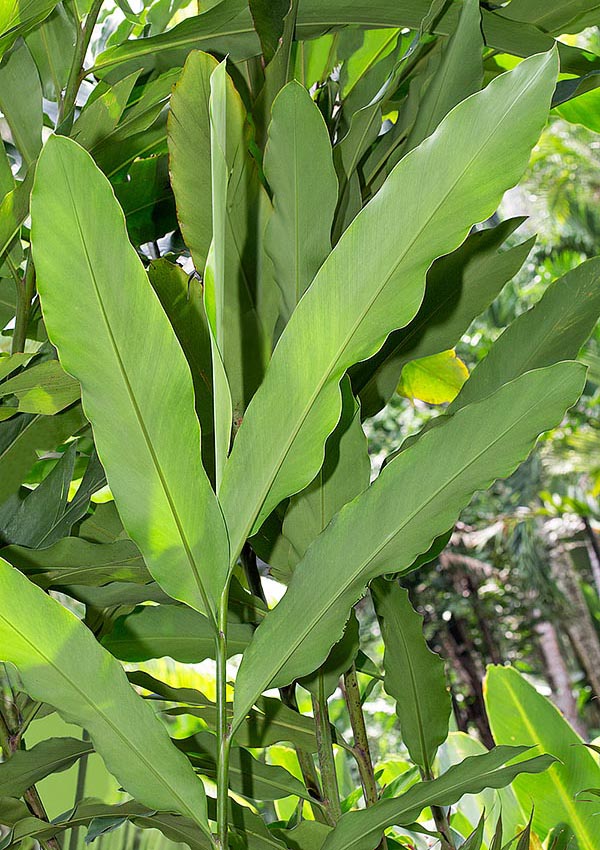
{"x": 25, "y": 434}
{"x": 246, "y": 299}
{"x": 582, "y": 110}
{"x": 60, "y": 662}
{"x": 275, "y": 455}
{"x": 248, "y": 776}
{"x": 518, "y": 713}
{"x": 73, "y": 561}
{"x": 106, "y": 336}
{"x": 98, "y": 118}
{"x": 554, "y": 328}
{"x": 155, "y": 631}
{"x": 460, "y": 286}
{"x": 475, "y": 839}
{"x": 43, "y": 388}
{"x": 35, "y": 519}
{"x": 14, "y": 209}
{"x": 308, "y": 835}
{"x": 26, "y": 767}
{"x": 268, "y": 19}
{"x": 299, "y": 167}
{"x": 458, "y": 75}
{"x": 414, "y": 675}
{"x": 376, "y": 534}
{"x": 19, "y": 17}
{"x": 362, "y": 830}
{"x": 436, "y": 379}
{"x": 21, "y": 101}
{"x": 52, "y": 45}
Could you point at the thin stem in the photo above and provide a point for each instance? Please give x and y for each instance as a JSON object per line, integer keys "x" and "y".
{"x": 223, "y": 725}
{"x": 442, "y": 824}
{"x": 362, "y": 752}
{"x": 325, "y": 750}
{"x": 79, "y": 791}
{"x": 10, "y": 739}
{"x": 66, "y": 109}
{"x": 25, "y": 291}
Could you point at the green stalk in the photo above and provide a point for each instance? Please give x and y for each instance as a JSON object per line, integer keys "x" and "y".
{"x": 325, "y": 750}
{"x": 79, "y": 791}
{"x": 223, "y": 725}
{"x": 66, "y": 109}
{"x": 361, "y": 750}
{"x": 25, "y": 291}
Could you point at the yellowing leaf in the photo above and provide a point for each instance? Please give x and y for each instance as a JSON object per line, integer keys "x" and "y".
{"x": 436, "y": 379}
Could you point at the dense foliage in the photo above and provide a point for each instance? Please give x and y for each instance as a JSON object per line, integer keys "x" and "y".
{"x": 233, "y": 239}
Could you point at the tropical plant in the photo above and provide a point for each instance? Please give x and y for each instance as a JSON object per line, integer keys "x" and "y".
{"x": 221, "y": 268}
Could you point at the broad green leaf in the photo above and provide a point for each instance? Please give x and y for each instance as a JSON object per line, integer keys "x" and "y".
{"x": 414, "y": 675}
{"x": 436, "y": 379}
{"x": 43, "y": 388}
{"x": 248, "y": 776}
{"x": 459, "y": 287}
{"x": 299, "y": 167}
{"x": 17, "y": 17}
{"x": 182, "y": 301}
{"x": 351, "y": 307}
{"x": 555, "y": 16}
{"x": 582, "y": 110}
{"x": 268, "y": 22}
{"x": 60, "y": 662}
{"x": 344, "y": 474}
{"x": 106, "y": 336}
{"x": 100, "y": 117}
{"x": 377, "y": 533}
{"x": 376, "y": 45}
{"x": 26, "y": 767}
{"x": 52, "y": 44}
{"x": 73, "y": 561}
{"x": 362, "y": 830}
{"x": 34, "y": 520}
{"x": 555, "y": 328}
{"x": 155, "y": 631}
{"x": 147, "y": 200}
{"x": 21, "y": 101}
{"x": 25, "y": 434}
{"x": 308, "y": 835}
{"x": 326, "y": 679}
{"x": 519, "y": 714}
{"x": 459, "y": 74}
{"x": 11, "y": 362}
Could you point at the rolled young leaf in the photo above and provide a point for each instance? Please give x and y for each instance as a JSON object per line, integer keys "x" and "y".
{"x": 113, "y": 336}
{"x": 60, "y": 662}
{"x": 378, "y": 533}
{"x": 432, "y": 197}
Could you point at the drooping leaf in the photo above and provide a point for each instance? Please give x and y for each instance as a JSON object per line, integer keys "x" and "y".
{"x": 414, "y": 675}
{"x": 44, "y": 388}
{"x": 60, "y": 662}
{"x": 519, "y": 714}
{"x": 73, "y": 561}
{"x": 26, "y": 767}
{"x": 155, "y": 631}
{"x": 299, "y": 167}
{"x": 163, "y": 493}
{"x": 375, "y": 534}
{"x": 362, "y": 830}
{"x": 349, "y": 310}
{"x": 436, "y": 379}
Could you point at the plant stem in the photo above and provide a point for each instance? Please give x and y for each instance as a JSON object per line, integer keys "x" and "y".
{"x": 25, "y": 291}
{"x": 326, "y": 760}
{"x": 440, "y": 817}
{"x": 362, "y": 752}
{"x": 66, "y": 109}
{"x": 79, "y": 791}
{"x": 223, "y": 725}
{"x": 287, "y": 694}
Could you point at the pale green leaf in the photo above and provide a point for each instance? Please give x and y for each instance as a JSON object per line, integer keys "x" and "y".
{"x": 43, "y": 388}
{"x": 416, "y": 498}
{"x": 21, "y": 101}
{"x": 436, "y": 379}
{"x": 106, "y": 336}
{"x": 432, "y": 198}
{"x": 60, "y": 662}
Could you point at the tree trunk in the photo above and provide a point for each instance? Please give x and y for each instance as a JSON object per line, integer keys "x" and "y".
{"x": 558, "y": 675}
